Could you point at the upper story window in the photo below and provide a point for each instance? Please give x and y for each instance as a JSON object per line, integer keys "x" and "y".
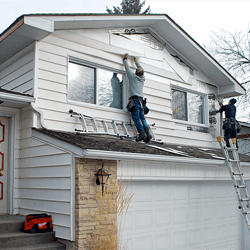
{"x": 188, "y": 106}
{"x": 95, "y": 85}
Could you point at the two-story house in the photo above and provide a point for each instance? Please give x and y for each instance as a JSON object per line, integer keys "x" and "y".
{"x": 51, "y": 63}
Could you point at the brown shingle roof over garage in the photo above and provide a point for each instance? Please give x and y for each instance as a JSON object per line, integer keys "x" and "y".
{"x": 115, "y": 144}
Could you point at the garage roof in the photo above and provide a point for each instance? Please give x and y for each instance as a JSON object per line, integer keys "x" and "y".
{"x": 34, "y": 27}
{"x": 111, "y": 144}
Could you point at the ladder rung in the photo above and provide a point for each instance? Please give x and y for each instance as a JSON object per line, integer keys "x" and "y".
{"x": 105, "y": 126}
{"x": 115, "y": 127}
{"x": 125, "y": 129}
{"x": 230, "y": 149}
{"x": 246, "y": 213}
{"x": 238, "y": 173}
{"x": 231, "y": 160}
{"x": 241, "y": 186}
{"x": 94, "y": 124}
{"x": 245, "y": 199}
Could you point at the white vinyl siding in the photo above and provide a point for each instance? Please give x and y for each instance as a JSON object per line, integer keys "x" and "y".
{"x": 45, "y": 184}
{"x": 44, "y": 180}
{"x": 53, "y": 54}
{"x": 17, "y": 74}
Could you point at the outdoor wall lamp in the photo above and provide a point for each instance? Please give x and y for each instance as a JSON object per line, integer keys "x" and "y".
{"x": 102, "y": 176}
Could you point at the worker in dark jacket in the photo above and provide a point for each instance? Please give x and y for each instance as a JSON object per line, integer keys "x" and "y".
{"x": 230, "y": 123}
{"x": 135, "y": 105}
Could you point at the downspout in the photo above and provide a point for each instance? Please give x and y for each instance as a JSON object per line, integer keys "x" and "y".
{"x": 40, "y": 115}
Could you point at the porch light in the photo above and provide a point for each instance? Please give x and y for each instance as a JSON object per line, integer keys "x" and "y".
{"x": 102, "y": 176}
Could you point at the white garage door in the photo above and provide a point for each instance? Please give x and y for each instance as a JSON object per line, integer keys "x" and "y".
{"x": 183, "y": 215}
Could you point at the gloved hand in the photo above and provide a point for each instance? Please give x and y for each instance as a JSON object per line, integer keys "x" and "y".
{"x": 125, "y": 56}
{"x": 213, "y": 112}
{"x": 135, "y": 59}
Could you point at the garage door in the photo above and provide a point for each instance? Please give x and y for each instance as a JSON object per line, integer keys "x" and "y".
{"x": 182, "y": 215}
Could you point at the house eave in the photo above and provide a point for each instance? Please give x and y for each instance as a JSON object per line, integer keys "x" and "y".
{"x": 12, "y": 100}
{"x": 107, "y": 155}
{"x": 23, "y": 32}
{"x": 34, "y": 27}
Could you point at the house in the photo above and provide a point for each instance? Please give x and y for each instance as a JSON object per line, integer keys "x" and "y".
{"x": 51, "y": 63}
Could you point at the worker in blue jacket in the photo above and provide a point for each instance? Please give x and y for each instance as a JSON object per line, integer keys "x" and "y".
{"x": 135, "y": 105}
{"x": 230, "y": 123}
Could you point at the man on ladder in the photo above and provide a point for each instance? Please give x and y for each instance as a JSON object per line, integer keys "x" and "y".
{"x": 230, "y": 123}
{"x": 135, "y": 105}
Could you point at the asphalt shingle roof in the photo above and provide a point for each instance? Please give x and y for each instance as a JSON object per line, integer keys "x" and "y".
{"x": 113, "y": 143}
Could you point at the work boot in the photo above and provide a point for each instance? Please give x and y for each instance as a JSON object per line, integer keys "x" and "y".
{"x": 149, "y": 136}
{"x": 142, "y": 135}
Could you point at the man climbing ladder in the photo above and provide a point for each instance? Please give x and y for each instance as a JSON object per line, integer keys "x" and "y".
{"x": 135, "y": 105}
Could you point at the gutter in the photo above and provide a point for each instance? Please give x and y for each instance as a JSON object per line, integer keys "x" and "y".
{"x": 16, "y": 97}
{"x": 111, "y": 155}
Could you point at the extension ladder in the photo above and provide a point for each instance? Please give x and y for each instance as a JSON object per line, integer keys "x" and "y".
{"x": 120, "y": 129}
{"x": 236, "y": 174}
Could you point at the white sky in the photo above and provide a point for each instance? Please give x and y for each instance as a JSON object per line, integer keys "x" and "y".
{"x": 198, "y": 18}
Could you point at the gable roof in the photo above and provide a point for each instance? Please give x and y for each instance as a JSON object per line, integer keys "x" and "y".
{"x": 34, "y": 27}
{"x": 115, "y": 148}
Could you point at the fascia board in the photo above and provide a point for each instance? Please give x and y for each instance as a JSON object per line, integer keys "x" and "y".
{"x": 111, "y": 155}
{"x": 99, "y": 154}
{"x": 230, "y": 91}
{"x": 240, "y": 90}
{"x": 104, "y": 17}
{"x": 39, "y": 23}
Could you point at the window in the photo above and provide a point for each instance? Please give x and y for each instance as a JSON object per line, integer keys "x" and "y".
{"x": 188, "y": 106}
{"x": 95, "y": 85}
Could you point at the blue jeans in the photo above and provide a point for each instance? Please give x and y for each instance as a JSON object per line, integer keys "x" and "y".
{"x": 138, "y": 116}
{"x": 230, "y": 132}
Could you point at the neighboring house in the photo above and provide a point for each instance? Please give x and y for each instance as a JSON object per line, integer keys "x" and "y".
{"x": 51, "y": 63}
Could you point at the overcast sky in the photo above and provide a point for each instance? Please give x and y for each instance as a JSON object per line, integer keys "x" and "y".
{"x": 198, "y": 18}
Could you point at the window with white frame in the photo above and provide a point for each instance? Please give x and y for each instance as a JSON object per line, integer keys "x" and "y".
{"x": 188, "y": 106}
{"x": 95, "y": 85}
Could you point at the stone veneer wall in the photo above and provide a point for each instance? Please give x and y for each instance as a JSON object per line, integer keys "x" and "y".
{"x": 86, "y": 202}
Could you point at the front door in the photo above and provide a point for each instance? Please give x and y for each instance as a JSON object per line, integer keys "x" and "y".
{"x": 3, "y": 164}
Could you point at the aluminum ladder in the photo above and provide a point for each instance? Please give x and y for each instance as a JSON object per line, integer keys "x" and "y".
{"x": 236, "y": 174}
{"x": 91, "y": 125}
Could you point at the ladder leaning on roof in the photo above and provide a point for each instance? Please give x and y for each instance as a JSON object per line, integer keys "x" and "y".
{"x": 236, "y": 174}
{"x": 88, "y": 122}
